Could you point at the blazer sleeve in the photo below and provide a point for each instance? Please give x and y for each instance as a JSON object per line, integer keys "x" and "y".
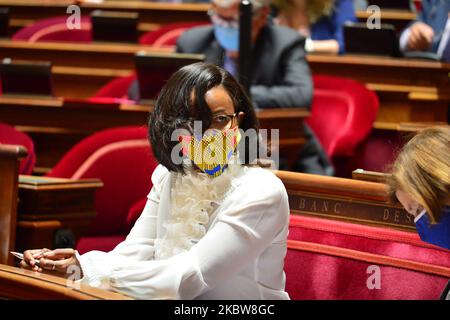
{"x": 240, "y": 233}
{"x": 295, "y": 88}
{"x": 138, "y": 245}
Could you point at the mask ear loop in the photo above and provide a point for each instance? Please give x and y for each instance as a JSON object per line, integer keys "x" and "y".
{"x": 420, "y": 215}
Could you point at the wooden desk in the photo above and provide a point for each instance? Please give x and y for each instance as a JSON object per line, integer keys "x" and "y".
{"x": 10, "y": 156}
{"x": 151, "y": 14}
{"x": 55, "y": 127}
{"x": 49, "y": 204}
{"x": 349, "y": 200}
{"x": 18, "y": 283}
{"x": 372, "y": 176}
{"x": 399, "y": 18}
{"x": 85, "y": 55}
{"x": 409, "y": 90}
{"x": 79, "y": 70}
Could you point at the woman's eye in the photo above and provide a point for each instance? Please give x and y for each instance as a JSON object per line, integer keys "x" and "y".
{"x": 220, "y": 119}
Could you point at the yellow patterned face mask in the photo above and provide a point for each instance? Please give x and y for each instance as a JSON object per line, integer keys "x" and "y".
{"x": 212, "y": 152}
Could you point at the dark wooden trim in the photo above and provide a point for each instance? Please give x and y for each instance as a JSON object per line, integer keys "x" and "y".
{"x": 349, "y": 200}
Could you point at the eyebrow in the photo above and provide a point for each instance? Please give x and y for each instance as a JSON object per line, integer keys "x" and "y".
{"x": 219, "y": 111}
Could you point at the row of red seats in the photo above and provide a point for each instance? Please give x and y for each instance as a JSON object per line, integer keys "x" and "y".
{"x": 55, "y": 29}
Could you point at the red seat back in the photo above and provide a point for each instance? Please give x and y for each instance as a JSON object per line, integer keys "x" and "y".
{"x": 382, "y": 143}
{"x": 9, "y": 135}
{"x": 123, "y": 160}
{"x": 342, "y": 115}
{"x": 329, "y": 259}
{"x": 55, "y": 29}
{"x": 167, "y": 35}
{"x": 116, "y": 88}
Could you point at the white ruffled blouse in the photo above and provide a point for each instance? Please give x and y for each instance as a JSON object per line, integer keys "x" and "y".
{"x": 201, "y": 238}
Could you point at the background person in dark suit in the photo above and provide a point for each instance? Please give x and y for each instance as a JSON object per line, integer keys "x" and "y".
{"x": 280, "y": 74}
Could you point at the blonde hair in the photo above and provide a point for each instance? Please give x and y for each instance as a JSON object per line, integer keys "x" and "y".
{"x": 315, "y": 9}
{"x": 422, "y": 170}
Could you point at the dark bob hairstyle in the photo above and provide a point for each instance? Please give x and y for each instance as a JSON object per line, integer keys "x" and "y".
{"x": 182, "y": 101}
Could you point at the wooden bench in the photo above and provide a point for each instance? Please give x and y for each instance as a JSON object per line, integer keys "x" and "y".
{"x": 344, "y": 234}
{"x": 347, "y": 200}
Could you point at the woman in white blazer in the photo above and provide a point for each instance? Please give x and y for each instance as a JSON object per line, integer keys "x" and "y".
{"x": 209, "y": 230}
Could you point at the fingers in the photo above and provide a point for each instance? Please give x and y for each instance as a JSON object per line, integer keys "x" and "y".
{"x": 427, "y": 33}
{"x": 25, "y": 265}
{"x": 421, "y": 36}
{"x": 29, "y": 256}
{"x": 58, "y": 254}
{"x": 55, "y": 265}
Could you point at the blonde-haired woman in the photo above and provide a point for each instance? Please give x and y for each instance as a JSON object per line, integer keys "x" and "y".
{"x": 321, "y": 21}
{"x": 420, "y": 180}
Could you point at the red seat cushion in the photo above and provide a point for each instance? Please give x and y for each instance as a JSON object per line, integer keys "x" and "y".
{"x": 101, "y": 243}
{"x": 313, "y": 275}
{"x": 167, "y": 35}
{"x": 55, "y": 29}
{"x": 123, "y": 160}
{"x": 329, "y": 259}
{"x": 342, "y": 114}
{"x": 116, "y": 88}
{"x": 75, "y": 157}
{"x": 385, "y": 145}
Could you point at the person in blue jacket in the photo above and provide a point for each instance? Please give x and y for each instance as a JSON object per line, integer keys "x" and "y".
{"x": 420, "y": 180}
{"x": 431, "y": 31}
{"x": 320, "y": 21}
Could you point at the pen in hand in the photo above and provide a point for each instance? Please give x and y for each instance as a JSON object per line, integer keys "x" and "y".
{"x": 20, "y": 256}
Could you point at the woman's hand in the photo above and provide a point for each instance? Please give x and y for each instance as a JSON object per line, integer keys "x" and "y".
{"x": 58, "y": 260}
{"x": 30, "y": 257}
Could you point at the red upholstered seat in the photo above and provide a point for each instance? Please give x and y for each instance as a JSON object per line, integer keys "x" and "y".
{"x": 329, "y": 259}
{"x": 343, "y": 113}
{"x": 167, "y": 35}
{"x": 116, "y": 88}
{"x": 9, "y": 135}
{"x": 55, "y": 29}
{"x": 123, "y": 160}
{"x": 101, "y": 243}
{"x": 379, "y": 151}
{"x": 342, "y": 116}
{"x": 135, "y": 212}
